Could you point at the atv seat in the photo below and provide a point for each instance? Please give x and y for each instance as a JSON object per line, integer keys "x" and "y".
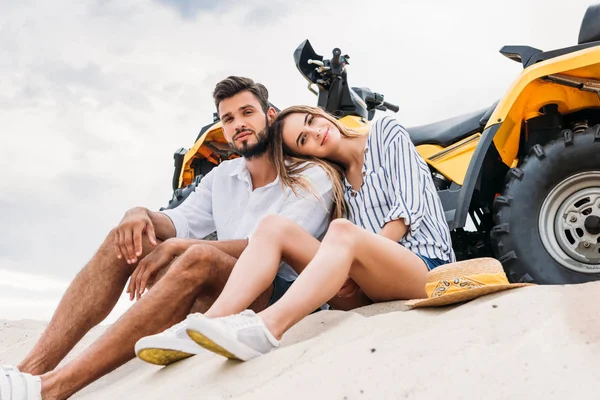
{"x": 448, "y": 131}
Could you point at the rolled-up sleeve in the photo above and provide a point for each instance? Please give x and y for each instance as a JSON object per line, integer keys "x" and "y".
{"x": 404, "y": 167}
{"x": 193, "y": 218}
{"x": 311, "y": 209}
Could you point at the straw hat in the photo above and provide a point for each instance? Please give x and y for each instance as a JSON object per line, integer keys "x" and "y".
{"x": 463, "y": 281}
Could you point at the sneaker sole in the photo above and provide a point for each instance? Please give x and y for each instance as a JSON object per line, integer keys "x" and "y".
{"x": 162, "y": 356}
{"x": 210, "y": 345}
{"x": 203, "y": 332}
{"x": 161, "y": 350}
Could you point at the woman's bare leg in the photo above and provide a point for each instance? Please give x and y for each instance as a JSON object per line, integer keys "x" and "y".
{"x": 383, "y": 269}
{"x": 276, "y": 238}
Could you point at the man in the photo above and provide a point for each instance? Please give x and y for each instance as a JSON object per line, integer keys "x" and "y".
{"x": 232, "y": 198}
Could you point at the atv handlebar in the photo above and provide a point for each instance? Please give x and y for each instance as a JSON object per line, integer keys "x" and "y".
{"x": 391, "y": 106}
{"x": 330, "y": 76}
{"x": 335, "y": 61}
{"x": 375, "y": 101}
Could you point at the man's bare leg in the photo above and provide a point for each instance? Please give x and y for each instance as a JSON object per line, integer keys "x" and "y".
{"x": 88, "y": 300}
{"x": 198, "y": 276}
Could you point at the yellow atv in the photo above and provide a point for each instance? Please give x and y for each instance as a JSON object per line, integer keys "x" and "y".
{"x": 532, "y": 179}
{"x": 526, "y": 171}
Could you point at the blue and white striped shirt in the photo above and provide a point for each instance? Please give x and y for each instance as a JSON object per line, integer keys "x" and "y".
{"x": 397, "y": 184}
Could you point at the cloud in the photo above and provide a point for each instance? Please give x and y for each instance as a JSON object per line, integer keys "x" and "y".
{"x": 257, "y": 12}
{"x": 266, "y": 14}
{"x": 189, "y": 9}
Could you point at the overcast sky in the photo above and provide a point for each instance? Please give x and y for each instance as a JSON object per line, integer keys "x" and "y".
{"x": 95, "y": 96}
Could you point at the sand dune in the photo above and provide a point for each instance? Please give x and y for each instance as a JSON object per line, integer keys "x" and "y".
{"x": 534, "y": 342}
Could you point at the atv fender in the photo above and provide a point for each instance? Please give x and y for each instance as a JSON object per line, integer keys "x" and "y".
{"x": 458, "y": 218}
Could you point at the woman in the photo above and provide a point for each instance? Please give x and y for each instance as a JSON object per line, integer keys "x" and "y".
{"x": 396, "y": 232}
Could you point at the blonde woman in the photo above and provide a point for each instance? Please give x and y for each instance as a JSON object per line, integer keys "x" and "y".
{"x": 394, "y": 234}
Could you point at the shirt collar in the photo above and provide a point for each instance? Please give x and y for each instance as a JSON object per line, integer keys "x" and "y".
{"x": 242, "y": 173}
{"x": 239, "y": 169}
{"x": 365, "y": 152}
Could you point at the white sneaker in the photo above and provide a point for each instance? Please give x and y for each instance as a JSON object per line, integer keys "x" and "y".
{"x": 168, "y": 346}
{"x": 242, "y": 336}
{"x": 15, "y": 385}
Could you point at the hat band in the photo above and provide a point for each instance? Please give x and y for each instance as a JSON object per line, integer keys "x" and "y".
{"x": 462, "y": 283}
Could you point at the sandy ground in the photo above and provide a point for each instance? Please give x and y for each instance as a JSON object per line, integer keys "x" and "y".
{"x": 528, "y": 343}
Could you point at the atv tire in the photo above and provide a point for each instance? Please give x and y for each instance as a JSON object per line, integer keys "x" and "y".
{"x": 548, "y": 217}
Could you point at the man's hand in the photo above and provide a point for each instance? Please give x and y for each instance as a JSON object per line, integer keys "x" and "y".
{"x": 160, "y": 258}
{"x": 128, "y": 235}
{"x": 349, "y": 289}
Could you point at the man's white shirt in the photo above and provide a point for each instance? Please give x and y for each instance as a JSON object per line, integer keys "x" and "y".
{"x": 225, "y": 202}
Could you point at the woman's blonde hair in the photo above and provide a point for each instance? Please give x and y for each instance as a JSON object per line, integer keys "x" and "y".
{"x": 290, "y": 164}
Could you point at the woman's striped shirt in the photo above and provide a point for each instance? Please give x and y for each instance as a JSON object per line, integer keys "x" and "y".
{"x": 397, "y": 184}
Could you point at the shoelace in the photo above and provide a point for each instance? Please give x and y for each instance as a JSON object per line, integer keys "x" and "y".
{"x": 239, "y": 321}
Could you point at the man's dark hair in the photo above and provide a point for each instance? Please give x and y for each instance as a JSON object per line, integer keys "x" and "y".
{"x": 233, "y": 85}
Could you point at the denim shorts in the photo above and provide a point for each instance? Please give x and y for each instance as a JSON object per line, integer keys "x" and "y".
{"x": 431, "y": 263}
{"x": 280, "y": 286}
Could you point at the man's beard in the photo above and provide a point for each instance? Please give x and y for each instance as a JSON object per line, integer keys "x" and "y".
{"x": 250, "y": 151}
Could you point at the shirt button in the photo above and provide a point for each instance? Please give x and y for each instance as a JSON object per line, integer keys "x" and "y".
{"x": 366, "y": 150}
{"x": 364, "y": 173}
{"x": 353, "y": 194}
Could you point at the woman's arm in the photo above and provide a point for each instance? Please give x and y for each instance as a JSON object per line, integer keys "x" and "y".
{"x": 405, "y": 169}
{"x": 394, "y": 230}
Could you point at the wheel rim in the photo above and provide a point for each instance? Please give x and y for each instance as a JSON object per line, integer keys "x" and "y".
{"x": 562, "y": 222}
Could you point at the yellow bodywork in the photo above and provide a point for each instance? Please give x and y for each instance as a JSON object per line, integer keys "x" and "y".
{"x": 201, "y": 150}
{"x": 452, "y": 161}
{"x": 356, "y": 123}
{"x": 530, "y": 92}
{"x": 523, "y": 101}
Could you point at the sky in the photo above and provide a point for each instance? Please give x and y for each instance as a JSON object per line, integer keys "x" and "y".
{"x": 95, "y": 96}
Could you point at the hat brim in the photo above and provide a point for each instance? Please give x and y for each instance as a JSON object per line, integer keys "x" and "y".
{"x": 459, "y": 297}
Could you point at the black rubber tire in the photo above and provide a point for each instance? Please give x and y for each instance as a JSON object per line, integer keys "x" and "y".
{"x": 516, "y": 238}
{"x": 179, "y": 195}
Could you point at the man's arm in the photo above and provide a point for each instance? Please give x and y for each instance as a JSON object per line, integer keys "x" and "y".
{"x": 233, "y": 248}
{"x": 163, "y": 226}
{"x": 193, "y": 218}
{"x": 136, "y": 223}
